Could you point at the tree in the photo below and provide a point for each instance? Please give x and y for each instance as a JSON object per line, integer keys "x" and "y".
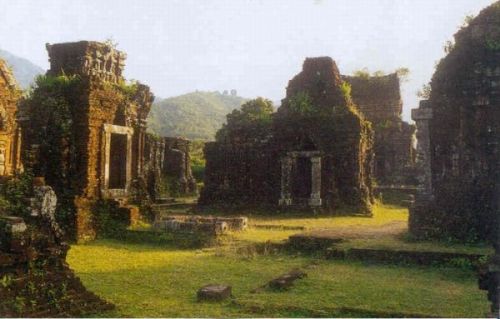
{"x": 403, "y": 74}
{"x": 256, "y": 110}
{"x": 252, "y": 120}
{"x": 425, "y": 92}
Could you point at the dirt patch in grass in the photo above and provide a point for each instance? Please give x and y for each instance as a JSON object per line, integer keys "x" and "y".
{"x": 395, "y": 228}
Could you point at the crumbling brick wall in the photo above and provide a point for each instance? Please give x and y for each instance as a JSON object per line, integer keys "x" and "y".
{"x": 318, "y": 125}
{"x": 84, "y": 127}
{"x": 379, "y": 100}
{"x": 462, "y": 117}
{"x": 36, "y": 280}
{"x": 168, "y": 167}
{"x": 241, "y": 173}
{"x": 10, "y": 140}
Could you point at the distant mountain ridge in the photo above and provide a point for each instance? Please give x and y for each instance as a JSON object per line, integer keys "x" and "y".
{"x": 24, "y": 70}
{"x": 196, "y": 115}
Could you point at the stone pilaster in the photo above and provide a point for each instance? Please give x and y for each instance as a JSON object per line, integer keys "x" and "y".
{"x": 286, "y": 171}
{"x": 315, "y": 199}
{"x": 422, "y": 116}
{"x": 421, "y": 207}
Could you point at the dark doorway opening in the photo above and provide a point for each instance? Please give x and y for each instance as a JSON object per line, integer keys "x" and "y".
{"x": 118, "y": 161}
{"x": 302, "y": 183}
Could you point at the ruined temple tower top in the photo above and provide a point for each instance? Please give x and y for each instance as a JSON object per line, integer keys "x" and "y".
{"x": 89, "y": 59}
{"x": 320, "y": 78}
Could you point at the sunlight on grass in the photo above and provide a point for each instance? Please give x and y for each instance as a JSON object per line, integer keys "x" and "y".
{"x": 382, "y": 214}
{"x": 148, "y": 281}
{"x": 398, "y": 243}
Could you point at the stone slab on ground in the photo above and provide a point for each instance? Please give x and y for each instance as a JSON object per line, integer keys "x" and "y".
{"x": 214, "y": 292}
{"x": 285, "y": 281}
{"x": 282, "y": 282}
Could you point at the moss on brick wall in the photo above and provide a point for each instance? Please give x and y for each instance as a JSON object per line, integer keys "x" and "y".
{"x": 464, "y": 133}
{"x": 244, "y": 165}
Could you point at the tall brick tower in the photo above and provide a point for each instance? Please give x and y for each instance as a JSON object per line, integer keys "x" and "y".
{"x": 101, "y": 151}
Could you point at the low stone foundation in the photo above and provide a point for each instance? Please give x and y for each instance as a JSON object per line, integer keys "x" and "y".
{"x": 193, "y": 223}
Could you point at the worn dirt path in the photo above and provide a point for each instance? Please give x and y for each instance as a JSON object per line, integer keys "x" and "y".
{"x": 390, "y": 229}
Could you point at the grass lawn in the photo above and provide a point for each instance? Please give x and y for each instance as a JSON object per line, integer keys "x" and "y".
{"x": 152, "y": 281}
{"x": 382, "y": 215}
{"x": 148, "y": 281}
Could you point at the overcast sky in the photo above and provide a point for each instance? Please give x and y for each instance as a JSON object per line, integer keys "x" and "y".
{"x": 253, "y": 46}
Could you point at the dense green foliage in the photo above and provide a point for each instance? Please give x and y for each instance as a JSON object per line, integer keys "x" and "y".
{"x": 50, "y": 102}
{"x": 24, "y": 71}
{"x": 196, "y": 115}
{"x": 252, "y": 121}
{"x": 197, "y": 159}
{"x": 13, "y": 193}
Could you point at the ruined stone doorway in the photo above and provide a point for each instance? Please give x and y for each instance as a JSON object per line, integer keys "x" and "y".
{"x": 301, "y": 178}
{"x": 118, "y": 161}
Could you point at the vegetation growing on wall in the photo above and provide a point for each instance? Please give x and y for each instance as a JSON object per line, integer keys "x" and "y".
{"x": 464, "y": 134}
{"x": 13, "y": 194}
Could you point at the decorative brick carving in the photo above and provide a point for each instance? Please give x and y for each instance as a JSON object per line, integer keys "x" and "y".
{"x": 10, "y": 133}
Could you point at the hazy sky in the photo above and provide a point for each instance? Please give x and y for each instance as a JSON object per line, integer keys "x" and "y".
{"x": 254, "y": 46}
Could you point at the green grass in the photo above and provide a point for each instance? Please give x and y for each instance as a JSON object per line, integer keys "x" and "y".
{"x": 161, "y": 281}
{"x": 401, "y": 243}
{"x": 382, "y": 214}
{"x": 146, "y": 281}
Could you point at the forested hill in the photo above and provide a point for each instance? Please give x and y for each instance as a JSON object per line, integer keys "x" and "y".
{"x": 24, "y": 70}
{"x": 197, "y": 115}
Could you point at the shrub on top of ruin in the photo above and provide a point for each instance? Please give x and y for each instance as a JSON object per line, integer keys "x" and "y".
{"x": 403, "y": 74}
{"x": 467, "y": 20}
{"x": 128, "y": 88}
{"x": 363, "y": 73}
{"x": 301, "y": 103}
{"x": 424, "y": 92}
{"x": 54, "y": 83}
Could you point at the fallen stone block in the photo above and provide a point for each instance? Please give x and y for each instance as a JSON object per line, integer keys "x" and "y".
{"x": 286, "y": 281}
{"x": 12, "y": 233}
{"x": 214, "y": 292}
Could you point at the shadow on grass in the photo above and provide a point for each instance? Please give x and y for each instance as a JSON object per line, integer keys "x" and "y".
{"x": 167, "y": 287}
{"x": 272, "y": 212}
{"x": 150, "y": 240}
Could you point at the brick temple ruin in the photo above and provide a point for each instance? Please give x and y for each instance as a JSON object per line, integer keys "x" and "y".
{"x": 167, "y": 167}
{"x": 458, "y": 152}
{"x": 458, "y": 130}
{"x": 379, "y": 100}
{"x": 93, "y": 145}
{"x": 84, "y": 133}
{"x": 10, "y": 134}
{"x": 36, "y": 279}
{"x": 316, "y": 152}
